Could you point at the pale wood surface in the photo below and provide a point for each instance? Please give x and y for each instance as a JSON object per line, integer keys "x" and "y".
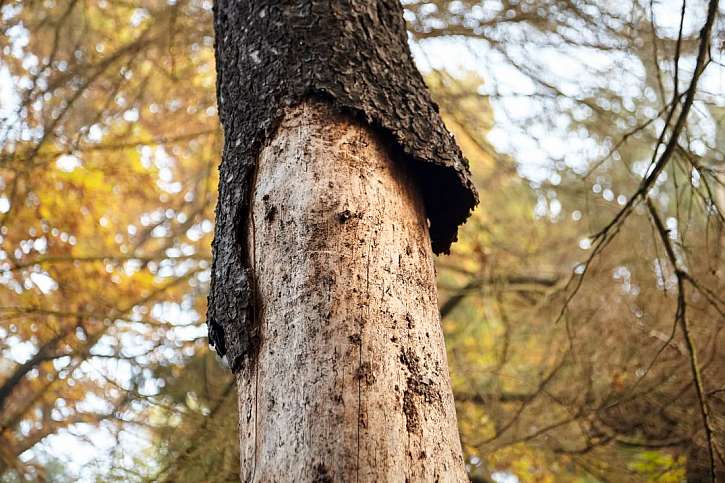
{"x": 351, "y": 380}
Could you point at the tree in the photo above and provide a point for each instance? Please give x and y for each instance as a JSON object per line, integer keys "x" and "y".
{"x": 336, "y": 166}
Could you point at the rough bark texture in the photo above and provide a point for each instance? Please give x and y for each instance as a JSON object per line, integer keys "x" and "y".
{"x": 272, "y": 54}
{"x": 350, "y": 382}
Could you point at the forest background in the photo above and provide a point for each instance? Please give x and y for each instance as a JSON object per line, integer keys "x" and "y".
{"x": 583, "y": 305}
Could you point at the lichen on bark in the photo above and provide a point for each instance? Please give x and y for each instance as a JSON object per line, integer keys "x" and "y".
{"x": 272, "y": 54}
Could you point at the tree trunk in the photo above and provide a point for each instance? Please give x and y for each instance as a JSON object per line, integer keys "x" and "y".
{"x": 322, "y": 296}
{"x": 698, "y": 468}
{"x": 350, "y": 379}
{"x": 354, "y": 55}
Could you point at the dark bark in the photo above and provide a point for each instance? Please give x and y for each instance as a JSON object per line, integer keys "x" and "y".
{"x": 352, "y": 53}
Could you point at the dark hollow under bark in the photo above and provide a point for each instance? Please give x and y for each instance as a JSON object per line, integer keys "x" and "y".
{"x": 271, "y": 54}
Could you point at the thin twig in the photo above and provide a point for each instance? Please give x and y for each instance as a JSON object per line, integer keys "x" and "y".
{"x": 681, "y": 318}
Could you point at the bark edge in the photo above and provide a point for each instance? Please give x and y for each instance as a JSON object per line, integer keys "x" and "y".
{"x": 273, "y": 54}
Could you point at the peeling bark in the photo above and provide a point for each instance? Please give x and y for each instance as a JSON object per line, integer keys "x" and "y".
{"x": 350, "y": 381}
{"x": 273, "y": 54}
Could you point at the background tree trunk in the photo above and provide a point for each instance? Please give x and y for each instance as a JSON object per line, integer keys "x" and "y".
{"x": 350, "y": 381}
{"x": 698, "y": 465}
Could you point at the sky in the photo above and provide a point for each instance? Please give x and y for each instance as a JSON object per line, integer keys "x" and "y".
{"x": 572, "y": 70}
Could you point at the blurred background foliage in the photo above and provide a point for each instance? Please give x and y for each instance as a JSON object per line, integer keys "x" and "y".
{"x": 573, "y": 357}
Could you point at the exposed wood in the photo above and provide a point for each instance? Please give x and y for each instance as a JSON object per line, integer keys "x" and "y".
{"x": 350, "y": 382}
{"x": 351, "y": 53}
